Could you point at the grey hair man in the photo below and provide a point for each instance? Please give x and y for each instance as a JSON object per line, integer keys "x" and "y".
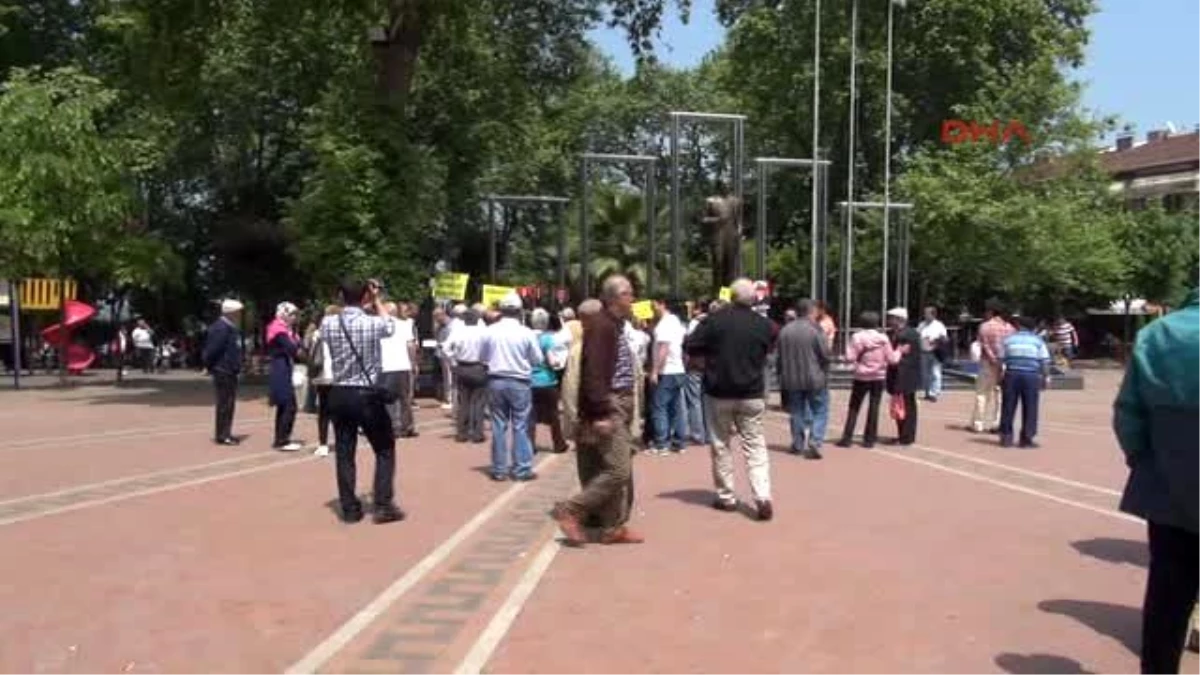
{"x": 470, "y": 377}
{"x": 511, "y": 352}
{"x": 803, "y": 376}
{"x": 734, "y": 344}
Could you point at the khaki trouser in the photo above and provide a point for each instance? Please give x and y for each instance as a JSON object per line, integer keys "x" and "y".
{"x": 745, "y": 416}
{"x": 986, "y": 414}
{"x": 606, "y": 470}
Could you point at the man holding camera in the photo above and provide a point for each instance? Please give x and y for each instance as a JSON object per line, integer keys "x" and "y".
{"x": 356, "y": 399}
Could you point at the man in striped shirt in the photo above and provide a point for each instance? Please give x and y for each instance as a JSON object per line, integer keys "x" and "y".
{"x": 1065, "y": 338}
{"x": 1026, "y": 362}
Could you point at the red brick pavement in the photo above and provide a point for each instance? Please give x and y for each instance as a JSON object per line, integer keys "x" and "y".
{"x": 132, "y": 544}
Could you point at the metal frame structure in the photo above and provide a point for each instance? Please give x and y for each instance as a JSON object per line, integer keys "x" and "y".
{"x": 527, "y": 200}
{"x": 820, "y": 173}
{"x": 585, "y": 229}
{"x": 848, "y": 260}
{"x": 738, "y": 123}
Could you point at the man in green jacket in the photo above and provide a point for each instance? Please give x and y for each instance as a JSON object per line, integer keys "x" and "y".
{"x": 1156, "y": 418}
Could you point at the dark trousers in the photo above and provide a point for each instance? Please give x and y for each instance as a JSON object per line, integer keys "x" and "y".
{"x": 1025, "y": 388}
{"x": 1170, "y": 596}
{"x": 545, "y": 411}
{"x": 354, "y": 408}
{"x": 471, "y": 409}
{"x": 401, "y": 411}
{"x": 858, "y": 392}
{"x": 906, "y": 429}
{"x": 146, "y": 359}
{"x": 225, "y": 386}
{"x": 605, "y": 465}
{"x": 285, "y": 420}
{"x": 322, "y": 393}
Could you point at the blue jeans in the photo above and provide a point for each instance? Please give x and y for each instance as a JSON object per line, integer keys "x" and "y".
{"x": 512, "y": 403}
{"x": 809, "y": 412}
{"x": 1026, "y": 388}
{"x": 693, "y": 403}
{"x": 666, "y": 412}
{"x": 933, "y": 374}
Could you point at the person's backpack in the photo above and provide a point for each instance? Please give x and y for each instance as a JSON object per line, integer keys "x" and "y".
{"x": 556, "y": 356}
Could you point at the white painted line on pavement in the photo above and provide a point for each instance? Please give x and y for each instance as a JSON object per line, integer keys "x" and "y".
{"x": 327, "y": 649}
{"x": 138, "y": 432}
{"x": 481, "y": 652}
{"x": 1035, "y": 474}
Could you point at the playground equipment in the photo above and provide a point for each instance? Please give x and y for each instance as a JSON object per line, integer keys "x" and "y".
{"x": 75, "y": 314}
{"x": 648, "y": 196}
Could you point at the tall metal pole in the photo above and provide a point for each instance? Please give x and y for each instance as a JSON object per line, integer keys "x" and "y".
{"x": 816, "y": 137}
{"x": 649, "y": 194}
{"x": 676, "y": 242}
{"x": 739, "y": 191}
{"x": 848, "y": 244}
{"x": 585, "y": 231}
{"x": 560, "y": 213}
{"x": 823, "y": 231}
{"x": 760, "y": 238}
{"x": 491, "y": 216}
{"x": 14, "y": 295}
{"x": 887, "y": 162}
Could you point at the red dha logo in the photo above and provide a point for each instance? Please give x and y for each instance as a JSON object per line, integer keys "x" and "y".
{"x": 958, "y": 131}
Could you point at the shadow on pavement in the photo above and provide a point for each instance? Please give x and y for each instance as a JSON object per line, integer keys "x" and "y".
{"x": 169, "y": 393}
{"x": 696, "y": 497}
{"x": 1119, "y": 551}
{"x": 1119, "y": 622}
{"x": 1039, "y": 663}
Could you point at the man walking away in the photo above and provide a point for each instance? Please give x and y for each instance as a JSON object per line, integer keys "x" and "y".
{"x": 803, "y": 364}
{"x": 1065, "y": 339}
{"x": 1026, "y": 362}
{"x": 993, "y": 331}
{"x": 464, "y": 347}
{"x": 143, "y": 343}
{"x": 668, "y": 380}
{"x": 606, "y": 408}
{"x": 223, "y": 359}
{"x": 734, "y": 343}
{"x": 398, "y": 352}
{"x": 933, "y": 338}
{"x": 511, "y": 352}
{"x": 355, "y": 340}
{"x": 904, "y": 376}
{"x": 1156, "y": 416}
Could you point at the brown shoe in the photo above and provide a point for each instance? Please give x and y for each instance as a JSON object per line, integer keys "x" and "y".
{"x": 765, "y": 511}
{"x": 621, "y": 535}
{"x": 568, "y": 522}
{"x": 725, "y": 505}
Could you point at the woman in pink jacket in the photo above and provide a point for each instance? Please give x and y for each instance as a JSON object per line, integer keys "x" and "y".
{"x": 871, "y": 352}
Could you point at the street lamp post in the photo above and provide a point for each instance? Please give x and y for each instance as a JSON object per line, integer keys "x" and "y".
{"x": 887, "y": 151}
{"x": 848, "y": 243}
{"x": 816, "y": 139}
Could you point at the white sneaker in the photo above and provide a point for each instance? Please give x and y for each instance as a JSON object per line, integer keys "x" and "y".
{"x": 321, "y": 451}
{"x": 291, "y": 447}
{"x": 447, "y": 406}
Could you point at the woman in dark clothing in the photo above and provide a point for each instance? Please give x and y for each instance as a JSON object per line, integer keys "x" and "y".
{"x": 905, "y": 378}
{"x": 282, "y": 347}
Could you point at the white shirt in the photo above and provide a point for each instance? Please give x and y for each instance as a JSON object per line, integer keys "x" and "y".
{"x": 510, "y": 350}
{"x": 466, "y": 342}
{"x": 639, "y": 341}
{"x": 931, "y": 331}
{"x": 143, "y": 338}
{"x": 393, "y": 350}
{"x": 670, "y": 332}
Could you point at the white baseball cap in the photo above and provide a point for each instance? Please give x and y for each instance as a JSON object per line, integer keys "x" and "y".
{"x": 229, "y": 306}
{"x": 899, "y": 313}
{"x": 511, "y": 301}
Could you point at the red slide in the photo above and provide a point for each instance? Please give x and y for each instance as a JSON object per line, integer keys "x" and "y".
{"x": 79, "y": 357}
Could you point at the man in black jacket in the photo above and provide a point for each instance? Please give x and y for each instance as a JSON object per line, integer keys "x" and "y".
{"x": 223, "y": 359}
{"x": 905, "y": 378}
{"x": 734, "y": 343}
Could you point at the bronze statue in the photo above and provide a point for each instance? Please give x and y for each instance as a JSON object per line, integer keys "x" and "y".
{"x": 721, "y": 218}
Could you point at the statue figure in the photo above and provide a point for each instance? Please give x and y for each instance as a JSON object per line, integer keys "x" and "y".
{"x": 721, "y": 218}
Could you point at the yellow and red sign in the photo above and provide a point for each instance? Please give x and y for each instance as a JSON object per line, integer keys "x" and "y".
{"x": 45, "y": 294}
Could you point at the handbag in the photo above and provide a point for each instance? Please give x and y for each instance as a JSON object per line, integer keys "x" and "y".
{"x": 896, "y": 408}
{"x": 383, "y": 393}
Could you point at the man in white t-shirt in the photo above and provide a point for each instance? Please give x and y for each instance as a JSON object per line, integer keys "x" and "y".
{"x": 397, "y": 353}
{"x": 668, "y": 377}
{"x": 143, "y": 343}
{"x": 933, "y": 335}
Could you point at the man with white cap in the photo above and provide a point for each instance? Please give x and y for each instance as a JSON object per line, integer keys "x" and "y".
{"x": 222, "y": 358}
{"x": 511, "y": 351}
{"x": 904, "y": 379}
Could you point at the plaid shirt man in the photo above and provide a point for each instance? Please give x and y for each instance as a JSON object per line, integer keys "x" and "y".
{"x": 366, "y": 331}
{"x": 992, "y": 334}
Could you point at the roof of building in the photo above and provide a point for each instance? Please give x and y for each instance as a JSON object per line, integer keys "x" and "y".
{"x": 1164, "y": 152}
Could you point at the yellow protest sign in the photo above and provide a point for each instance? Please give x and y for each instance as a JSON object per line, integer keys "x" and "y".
{"x": 451, "y": 286}
{"x": 726, "y": 294}
{"x": 643, "y": 310}
{"x": 492, "y": 295}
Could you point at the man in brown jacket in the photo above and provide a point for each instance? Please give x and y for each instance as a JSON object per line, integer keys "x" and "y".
{"x": 604, "y": 442}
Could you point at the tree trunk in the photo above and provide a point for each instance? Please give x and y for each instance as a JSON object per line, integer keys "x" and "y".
{"x": 398, "y": 49}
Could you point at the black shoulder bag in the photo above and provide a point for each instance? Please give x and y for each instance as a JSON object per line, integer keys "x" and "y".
{"x": 382, "y": 393}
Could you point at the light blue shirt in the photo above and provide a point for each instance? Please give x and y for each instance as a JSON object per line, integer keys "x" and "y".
{"x": 466, "y": 343}
{"x": 510, "y": 350}
{"x": 1024, "y": 352}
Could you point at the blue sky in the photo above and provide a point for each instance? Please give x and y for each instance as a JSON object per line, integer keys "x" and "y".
{"x": 1142, "y": 62}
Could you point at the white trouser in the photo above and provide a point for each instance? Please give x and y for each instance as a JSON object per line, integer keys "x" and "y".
{"x": 986, "y": 414}
{"x": 746, "y": 417}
